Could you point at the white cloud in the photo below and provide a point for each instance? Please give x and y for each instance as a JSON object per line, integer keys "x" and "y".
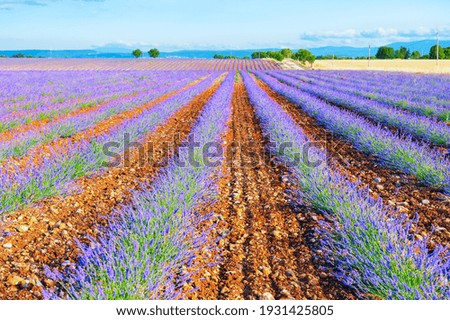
{"x": 375, "y": 36}
{"x": 12, "y": 4}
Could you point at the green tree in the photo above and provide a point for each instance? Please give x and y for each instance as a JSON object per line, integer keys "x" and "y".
{"x": 277, "y": 55}
{"x": 287, "y": 53}
{"x": 259, "y": 54}
{"x": 218, "y": 56}
{"x": 304, "y": 56}
{"x": 153, "y": 53}
{"x": 447, "y": 52}
{"x": 137, "y": 53}
{"x": 402, "y": 53}
{"x": 18, "y": 55}
{"x": 415, "y": 55}
{"x": 385, "y": 53}
{"x": 433, "y": 52}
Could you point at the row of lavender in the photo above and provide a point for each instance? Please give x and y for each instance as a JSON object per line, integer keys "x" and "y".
{"x": 37, "y": 89}
{"x": 54, "y": 172}
{"x": 418, "y": 94}
{"x": 418, "y": 126}
{"x": 66, "y": 95}
{"x": 141, "y": 254}
{"x": 392, "y": 149}
{"x": 70, "y": 125}
{"x": 369, "y": 245}
{"x": 419, "y": 88}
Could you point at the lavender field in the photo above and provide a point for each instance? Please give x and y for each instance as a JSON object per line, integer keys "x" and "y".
{"x": 189, "y": 180}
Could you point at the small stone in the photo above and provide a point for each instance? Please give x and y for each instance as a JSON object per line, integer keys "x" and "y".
{"x": 314, "y": 281}
{"x": 23, "y": 228}
{"x": 380, "y": 187}
{"x": 402, "y": 209}
{"x": 7, "y": 245}
{"x": 289, "y": 273}
{"x": 267, "y": 296}
{"x": 33, "y": 220}
{"x": 265, "y": 270}
{"x": 285, "y": 293}
{"x": 377, "y": 180}
{"x": 49, "y": 282}
{"x": 277, "y": 234}
{"x": 15, "y": 280}
{"x": 425, "y": 201}
{"x": 66, "y": 263}
{"x": 224, "y": 232}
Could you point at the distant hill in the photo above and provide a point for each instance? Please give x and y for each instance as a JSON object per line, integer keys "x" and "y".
{"x": 423, "y": 46}
{"x": 342, "y": 51}
{"x": 114, "y": 51}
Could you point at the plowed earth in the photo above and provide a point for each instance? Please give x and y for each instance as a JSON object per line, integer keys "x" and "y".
{"x": 266, "y": 244}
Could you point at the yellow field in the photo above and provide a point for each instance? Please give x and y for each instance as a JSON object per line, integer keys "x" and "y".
{"x": 422, "y": 66}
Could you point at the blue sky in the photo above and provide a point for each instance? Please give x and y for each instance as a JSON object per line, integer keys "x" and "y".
{"x": 213, "y": 24}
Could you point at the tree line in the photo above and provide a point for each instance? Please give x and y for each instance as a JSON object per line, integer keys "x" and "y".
{"x": 404, "y": 53}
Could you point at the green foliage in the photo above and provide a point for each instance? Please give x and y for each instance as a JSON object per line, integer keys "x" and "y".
{"x": 402, "y": 53}
{"x": 220, "y": 56}
{"x": 440, "y": 51}
{"x": 18, "y": 55}
{"x": 447, "y": 52}
{"x": 385, "y": 53}
{"x": 153, "y": 53}
{"x": 259, "y": 55}
{"x": 304, "y": 55}
{"x": 287, "y": 53}
{"x": 415, "y": 55}
{"x": 137, "y": 53}
{"x": 275, "y": 55}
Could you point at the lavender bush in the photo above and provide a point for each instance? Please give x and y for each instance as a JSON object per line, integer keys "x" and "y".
{"x": 141, "y": 253}
{"x": 54, "y": 173}
{"x": 369, "y": 246}
{"x": 418, "y": 126}
{"x": 393, "y": 150}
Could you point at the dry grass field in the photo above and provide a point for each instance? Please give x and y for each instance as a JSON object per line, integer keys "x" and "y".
{"x": 421, "y": 66}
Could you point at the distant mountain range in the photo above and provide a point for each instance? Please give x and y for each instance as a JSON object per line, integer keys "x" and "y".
{"x": 422, "y": 46}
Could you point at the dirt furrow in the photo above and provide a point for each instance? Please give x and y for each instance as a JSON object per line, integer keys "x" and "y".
{"x": 265, "y": 253}
{"x": 397, "y": 189}
{"x": 45, "y": 235}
